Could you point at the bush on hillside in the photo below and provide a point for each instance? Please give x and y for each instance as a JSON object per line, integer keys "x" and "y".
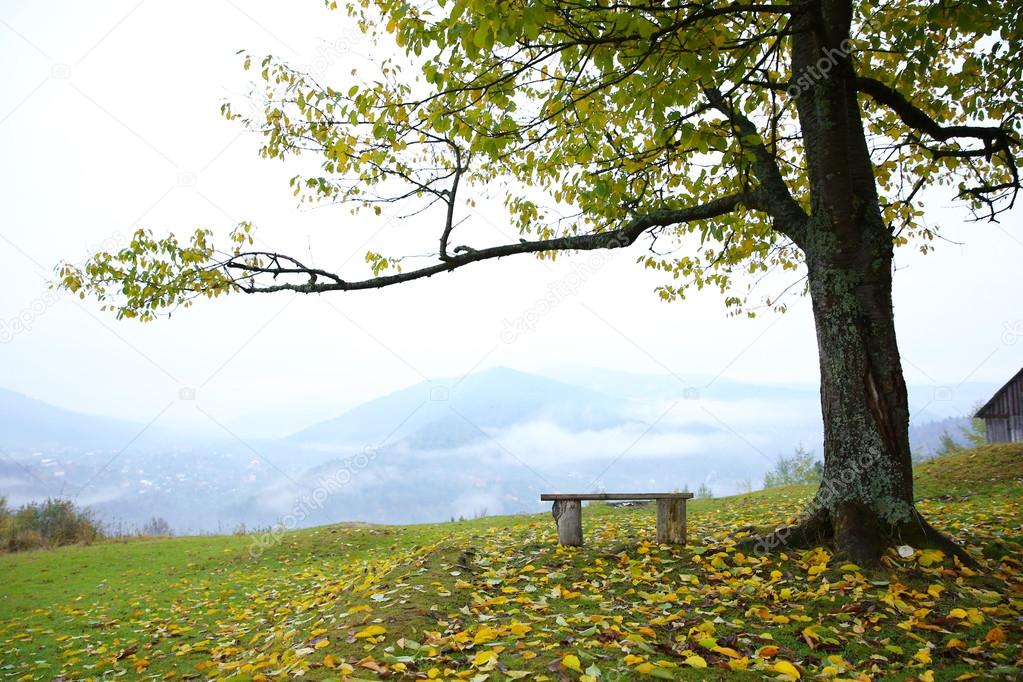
{"x": 801, "y": 468}
{"x": 156, "y": 527}
{"x": 974, "y": 435}
{"x": 51, "y": 523}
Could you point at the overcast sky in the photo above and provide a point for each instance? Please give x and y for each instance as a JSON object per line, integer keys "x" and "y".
{"x": 109, "y": 121}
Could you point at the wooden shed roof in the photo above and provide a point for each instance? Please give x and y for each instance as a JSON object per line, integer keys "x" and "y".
{"x": 985, "y": 411}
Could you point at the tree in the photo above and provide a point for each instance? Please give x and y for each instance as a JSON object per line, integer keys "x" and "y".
{"x": 754, "y": 136}
{"x": 976, "y": 433}
{"x": 801, "y": 468}
{"x": 156, "y": 526}
{"x": 947, "y": 445}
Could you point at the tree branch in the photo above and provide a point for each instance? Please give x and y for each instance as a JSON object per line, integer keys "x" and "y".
{"x": 996, "y": 139}
{"x": 789, "y": 216}
{"x": 916, "y": 118}
{"x": 462, "y": 256}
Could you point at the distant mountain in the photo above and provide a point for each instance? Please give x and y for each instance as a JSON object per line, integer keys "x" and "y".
{"x": 487, "y": 442}
{"x": 453, "y": 412}
{"x": 925, "y": 438}
{"x": 668, "y": 386}
{"x": 927, "y": 402}
{"x": 29, "y": 424}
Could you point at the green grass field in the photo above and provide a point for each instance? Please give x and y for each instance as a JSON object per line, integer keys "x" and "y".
{"x": 497, "y": 599}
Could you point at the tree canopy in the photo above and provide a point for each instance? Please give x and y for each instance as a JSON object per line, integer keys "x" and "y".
{"x": 601, "y": 123}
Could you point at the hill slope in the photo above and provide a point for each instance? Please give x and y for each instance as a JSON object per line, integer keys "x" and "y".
{"x": 497, "y": 599}
{"x": 28, "y": 423}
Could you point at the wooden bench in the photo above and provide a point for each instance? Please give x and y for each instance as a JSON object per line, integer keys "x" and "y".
{"x": 568, "y": 514}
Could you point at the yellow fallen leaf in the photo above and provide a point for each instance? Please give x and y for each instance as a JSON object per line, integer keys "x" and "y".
{"x": 696, "y": 662}
{"x": 571, "y": 661}
{"x": 738, "y": 663}
{"x": 484, "y": 634}
{"x": 786, "y": 668}
{"x": 487, "y": 658}
{"x": 371, "y": 631}
{"x": 519, "y": 629}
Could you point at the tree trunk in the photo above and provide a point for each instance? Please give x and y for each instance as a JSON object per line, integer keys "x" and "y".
{"x": 867, "y": 488}
{"x": 865, "y": 501}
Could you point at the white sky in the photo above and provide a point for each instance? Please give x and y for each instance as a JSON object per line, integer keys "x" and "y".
{"x": 108, "y": 114}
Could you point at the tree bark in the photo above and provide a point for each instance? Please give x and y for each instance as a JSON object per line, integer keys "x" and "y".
{"x": 865, "y": 501}
{"x": 867, "y": 487}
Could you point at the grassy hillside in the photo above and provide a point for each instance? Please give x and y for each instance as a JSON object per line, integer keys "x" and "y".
{"x": 497, "y": 599}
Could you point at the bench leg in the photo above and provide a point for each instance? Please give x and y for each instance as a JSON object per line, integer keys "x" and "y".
{"x": 671, "y": 522}
{"x": 568, "y": 514}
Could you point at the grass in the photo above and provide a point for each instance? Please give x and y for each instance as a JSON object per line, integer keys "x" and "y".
{"x": 497, "y": 599}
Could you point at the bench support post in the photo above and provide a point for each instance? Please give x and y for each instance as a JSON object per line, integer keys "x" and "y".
{"x": 671, "y": 521}
{"x": 568, "y": 514}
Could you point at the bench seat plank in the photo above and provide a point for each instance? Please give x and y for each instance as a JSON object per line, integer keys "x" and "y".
{"x": 554, "y": 497}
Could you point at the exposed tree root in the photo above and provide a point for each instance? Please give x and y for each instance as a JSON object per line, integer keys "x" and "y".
{"x": 919, "y": 533}
{"x": 810, "y": 532}
{"x": 855, "y": 534}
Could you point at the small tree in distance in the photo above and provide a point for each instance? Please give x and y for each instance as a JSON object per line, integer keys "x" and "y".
{"x": 157, "y": 526}
{"x": 752, "y": 137}
{"x": 801, "y": 468}
{"x": 976, "y": 433}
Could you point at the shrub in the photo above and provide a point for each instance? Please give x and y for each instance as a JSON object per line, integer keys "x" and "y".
{"x": 51, "y": 523}
{"x": 20, "y": 539}
{"x": 156, "y": 527}
{"x": 800, "y": 469}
